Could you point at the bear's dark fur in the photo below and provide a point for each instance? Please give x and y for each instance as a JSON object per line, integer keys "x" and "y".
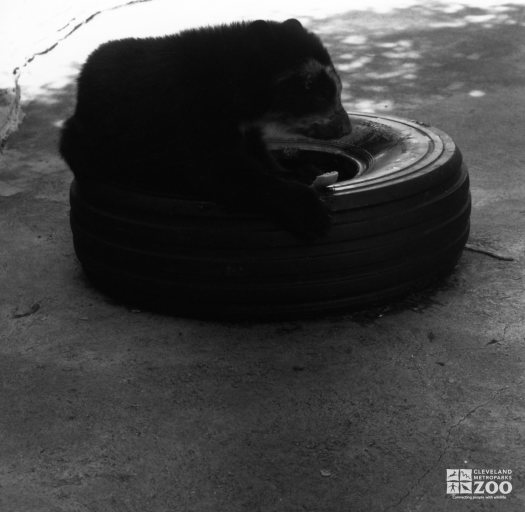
{"x": 189, "y": 113}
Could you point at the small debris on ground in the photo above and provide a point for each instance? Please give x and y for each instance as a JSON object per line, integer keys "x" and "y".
{"x": 31, "y": 311}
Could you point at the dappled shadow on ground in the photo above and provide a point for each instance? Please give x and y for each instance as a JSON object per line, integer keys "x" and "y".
{"x": 44, "y": 115}
{"x": 30, "y": 162}
{"x": 399, "y": 60}
{"x": 404, "y": 58}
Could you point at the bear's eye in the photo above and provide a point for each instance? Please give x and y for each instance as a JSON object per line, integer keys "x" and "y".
{"x": 321, "y": 86}
{"x": 308, "y": 83}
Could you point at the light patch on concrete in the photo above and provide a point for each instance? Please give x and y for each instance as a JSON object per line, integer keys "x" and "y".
{"x": 354, "y": 39}
{"x": 19, "y": 173}
{"x": 9, "y": 189}
{"x": 481, "y": 198}
{"x": 354, "y": 65}
{"x": 373, "y": 106}
{"x": 477, "y": 93}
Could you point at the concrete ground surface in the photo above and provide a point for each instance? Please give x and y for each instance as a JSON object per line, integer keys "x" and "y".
{"x": 104, "y": 408}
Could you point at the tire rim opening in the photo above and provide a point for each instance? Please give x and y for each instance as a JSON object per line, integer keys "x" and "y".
{"x": 305, "y": 159}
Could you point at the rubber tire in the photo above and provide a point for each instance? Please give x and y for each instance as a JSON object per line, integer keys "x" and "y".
{"x": 393, "y": 231}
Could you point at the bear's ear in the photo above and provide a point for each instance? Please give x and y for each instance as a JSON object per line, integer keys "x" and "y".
{"x": 293, "y": 24}
{"x": 260, "y": 26}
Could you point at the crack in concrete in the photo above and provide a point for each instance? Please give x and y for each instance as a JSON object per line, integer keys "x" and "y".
{"x": 414, "y": 357}
{"x": 80, "y": 24}
{"x": 443, "y": 451}
{"x": 505, "y": 329}
{"x": 488, "y": 252}
{"x": 496, "y": 341}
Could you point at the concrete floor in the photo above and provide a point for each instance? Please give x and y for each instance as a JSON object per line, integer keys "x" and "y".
{"x": 109, "y": 409}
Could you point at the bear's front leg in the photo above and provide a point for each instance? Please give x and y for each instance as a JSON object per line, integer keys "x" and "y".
{"x": 249, "y": 178}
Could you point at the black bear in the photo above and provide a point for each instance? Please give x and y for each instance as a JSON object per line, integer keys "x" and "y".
{"x": 190, "y": 114}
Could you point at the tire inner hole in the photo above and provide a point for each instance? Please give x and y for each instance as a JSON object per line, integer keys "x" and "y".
{"x": 305, "y": 165}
